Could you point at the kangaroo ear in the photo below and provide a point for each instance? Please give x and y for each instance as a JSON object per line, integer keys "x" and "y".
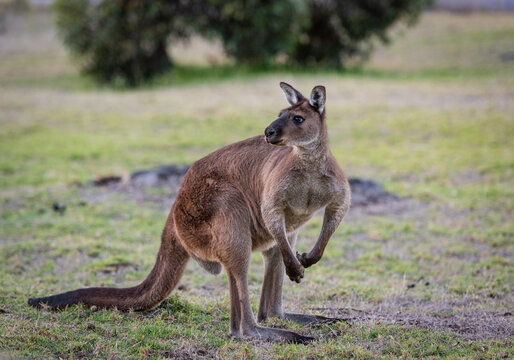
{"x": 292, "y": 95}
{"x": 318, "y": 98}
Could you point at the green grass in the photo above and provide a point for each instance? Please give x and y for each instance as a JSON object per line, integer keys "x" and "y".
{"x": 183, "y": 74}
{"x": 439, "y": 134}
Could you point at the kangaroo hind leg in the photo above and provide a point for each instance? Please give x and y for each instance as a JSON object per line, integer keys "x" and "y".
{"x": 242, "y": 320}
{"x": 271, "y": 294}
{"x": 241, "y": 310}
{"x": 233, "y": 249}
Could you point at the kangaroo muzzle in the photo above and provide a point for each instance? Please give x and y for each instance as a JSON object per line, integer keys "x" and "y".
{"x": 273, "y": 132}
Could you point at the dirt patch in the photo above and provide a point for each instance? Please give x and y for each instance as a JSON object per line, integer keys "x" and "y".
{"x": 473, "y": 325}
{"x": 368, "y": 192}
{"x": 470, "y": 324}
{"x": 163, "y": 176}
{"x": 169, "y": 177}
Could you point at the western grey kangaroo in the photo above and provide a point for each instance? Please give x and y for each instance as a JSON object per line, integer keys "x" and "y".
{"x": 249, "y": 196}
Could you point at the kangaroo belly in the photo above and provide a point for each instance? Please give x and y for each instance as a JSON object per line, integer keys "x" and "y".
{"x": 294, "y": 220}
{"x": 212, "y": 267}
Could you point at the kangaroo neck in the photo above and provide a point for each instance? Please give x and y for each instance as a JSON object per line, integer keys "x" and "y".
{"x": 313, "y": 154}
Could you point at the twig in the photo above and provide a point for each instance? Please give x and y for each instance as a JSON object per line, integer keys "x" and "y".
{"x": 336, "y": 309}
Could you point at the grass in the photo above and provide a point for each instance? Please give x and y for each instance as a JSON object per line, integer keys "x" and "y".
{"x": 436, "y": 130}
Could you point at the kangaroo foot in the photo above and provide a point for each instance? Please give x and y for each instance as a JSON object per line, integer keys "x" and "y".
{"x": 278, "y": 335}
{"x": 304, "y": 319}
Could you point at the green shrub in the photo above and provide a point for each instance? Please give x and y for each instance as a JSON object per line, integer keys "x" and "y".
{"x": 120, "y": 41}
{"x": 337, "y": 30}
{"x": 252, "y": 31}
{"x": 309, "y": 32}
{"x": 124, "y": 41}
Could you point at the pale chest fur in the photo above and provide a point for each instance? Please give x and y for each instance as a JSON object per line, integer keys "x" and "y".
{"x": 304, "y": 196}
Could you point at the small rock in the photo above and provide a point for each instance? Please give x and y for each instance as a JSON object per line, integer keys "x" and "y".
{"x": 93, "y": 308}
{"x": 59, "y": 208}
{"x": 106, "y": 180}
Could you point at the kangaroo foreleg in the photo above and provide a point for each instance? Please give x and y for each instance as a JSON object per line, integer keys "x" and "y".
{"x": 275, "y": 223}
{"x": 331, "y": 220}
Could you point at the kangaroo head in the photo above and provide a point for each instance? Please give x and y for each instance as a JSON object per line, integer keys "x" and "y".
{"x": 302, "y": 123}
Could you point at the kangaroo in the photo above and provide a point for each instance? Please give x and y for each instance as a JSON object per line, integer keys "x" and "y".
{"x": 249, "y": 196}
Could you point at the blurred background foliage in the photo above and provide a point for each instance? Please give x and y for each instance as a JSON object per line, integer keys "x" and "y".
{"x": 120, "y": 40}
{"x": 124, "y": 41}
{"x": 252, "y": 31}
{"x": 338, "y": 30}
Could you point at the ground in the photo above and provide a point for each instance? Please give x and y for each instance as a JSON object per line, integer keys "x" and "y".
{"x": 426, "y": 275}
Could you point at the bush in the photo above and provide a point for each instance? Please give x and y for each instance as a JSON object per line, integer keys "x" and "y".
{"x": 310, "y": 32}
{"x": 337, "y": 30}
{"x": 252, "y": 31}
{"x": 120, "y": 40}
{"x": 125, "y": 40}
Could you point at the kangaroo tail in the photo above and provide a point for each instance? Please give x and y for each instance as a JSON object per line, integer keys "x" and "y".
{"x": 166, "y": 273}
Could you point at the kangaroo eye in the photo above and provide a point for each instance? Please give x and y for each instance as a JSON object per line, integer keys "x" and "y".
{"x": 298, "y": 119}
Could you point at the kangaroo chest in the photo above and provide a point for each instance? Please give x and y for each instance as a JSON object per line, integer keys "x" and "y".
{"x": 303, "y": 198}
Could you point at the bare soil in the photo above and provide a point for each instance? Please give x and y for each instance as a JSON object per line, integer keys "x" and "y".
{"x": 444, "y": 317}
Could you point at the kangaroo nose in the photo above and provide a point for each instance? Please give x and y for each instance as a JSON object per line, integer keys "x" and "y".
{"x": 269, "y": 132}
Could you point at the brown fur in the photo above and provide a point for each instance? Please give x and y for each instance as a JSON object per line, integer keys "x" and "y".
{"x": 247, "y": 196}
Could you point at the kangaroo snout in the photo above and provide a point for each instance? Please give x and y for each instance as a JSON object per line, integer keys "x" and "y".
{"x": 271, "y": 135}
{"x": 273, "y": 132}
{"x": 269, "y": 132}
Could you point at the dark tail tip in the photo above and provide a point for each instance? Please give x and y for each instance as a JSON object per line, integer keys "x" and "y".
{"x": 55, "y": 302}
{"x": 35, "y": 302}
{"x": 47, "y": 301}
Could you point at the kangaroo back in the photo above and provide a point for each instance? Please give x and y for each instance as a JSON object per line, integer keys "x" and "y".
{"x": 166, "y": 273}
